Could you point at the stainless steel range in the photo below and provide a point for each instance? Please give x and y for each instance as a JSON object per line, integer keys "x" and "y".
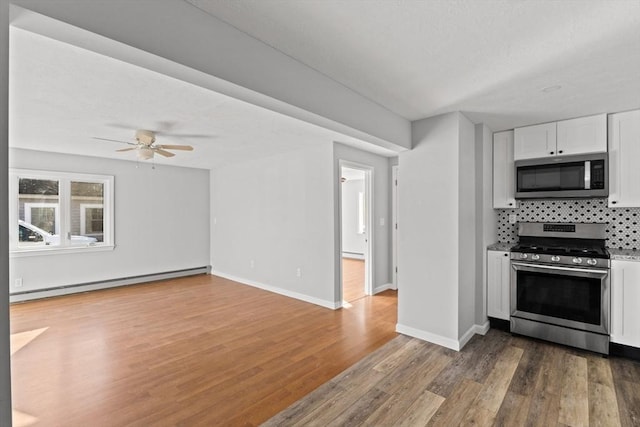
{"x": 560, "y": 285}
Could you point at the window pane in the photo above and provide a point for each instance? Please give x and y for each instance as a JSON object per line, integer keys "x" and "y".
{"x": 87, "y": 212}
{"x": 38, "y": 212}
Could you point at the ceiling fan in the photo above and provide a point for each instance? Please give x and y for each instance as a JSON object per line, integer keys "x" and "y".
{"x": 146, "y": 147}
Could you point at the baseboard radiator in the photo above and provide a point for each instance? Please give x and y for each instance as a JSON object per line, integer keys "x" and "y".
{"x": 105, "y": 284}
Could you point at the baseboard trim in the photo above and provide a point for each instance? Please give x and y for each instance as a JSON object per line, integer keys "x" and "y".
{"x": 456, "y": 345}
{"x": 302, "y": 297}
{"x": 482, "y": 329}
{"x": 428, "y": 336}
{"x": 105, "y": 284}
{"x": 382, "y": 288}
{"x": 475, "y": 329}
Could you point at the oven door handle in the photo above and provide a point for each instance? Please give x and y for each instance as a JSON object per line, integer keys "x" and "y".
{"x": 535, "y": 267}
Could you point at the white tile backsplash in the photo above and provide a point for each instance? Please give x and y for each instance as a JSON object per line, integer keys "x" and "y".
{"x": 623, "y": 230}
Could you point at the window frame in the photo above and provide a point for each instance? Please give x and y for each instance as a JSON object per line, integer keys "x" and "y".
{"x": 63, "y": 212}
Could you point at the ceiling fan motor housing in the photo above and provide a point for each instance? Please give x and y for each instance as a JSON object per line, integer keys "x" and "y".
{"x": 146, "y": 137}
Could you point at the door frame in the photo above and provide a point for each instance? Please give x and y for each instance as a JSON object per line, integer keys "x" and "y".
{"x": 369, "y": 223}
{"x": 394, "y": 226}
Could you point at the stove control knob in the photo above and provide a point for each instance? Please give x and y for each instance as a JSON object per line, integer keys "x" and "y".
{"x": 592, "y": 261}
{"x": 535, "y": 257}
{"x": 523, "y": 256}
{"x": 555, "y": 258}
{"x": 577, "y": 260}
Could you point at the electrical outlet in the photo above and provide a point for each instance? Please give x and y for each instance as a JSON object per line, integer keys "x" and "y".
{"x": 18, "y": 282}
{"x": 252, "y": 264}
{"x": 513, "y": 218}
{"x": 381, "y": 222}
{"x": 299, "y": 272}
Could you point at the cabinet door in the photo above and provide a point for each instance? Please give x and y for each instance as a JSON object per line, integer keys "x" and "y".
{"x": 537, "y": 141}
{"x": 498, "y": 276}
{"x": 624, "y": 159}
{"x": 625, "y": 300}
{"x": 503, "y": 171}
{"x": 582, "y": 135}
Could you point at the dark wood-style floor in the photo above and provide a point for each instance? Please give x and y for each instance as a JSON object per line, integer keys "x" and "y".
{"x": 195, "y": 351}
{"x": 352, "y": 279}
{"x": 496, "y": 380}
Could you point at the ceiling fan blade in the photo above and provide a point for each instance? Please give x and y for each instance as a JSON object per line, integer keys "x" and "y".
{"x": 163, "y": 153}
{"x": 126, "y": 149}
{"x": 122, "y": 126}
{"x": 184, "y": 135}
{"x": 114, "y": 140}
{"x": 176, "y": 147}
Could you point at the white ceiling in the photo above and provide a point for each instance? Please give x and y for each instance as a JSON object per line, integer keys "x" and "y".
{"x": 490, "y": 58}
{"x": 61, "y": 96}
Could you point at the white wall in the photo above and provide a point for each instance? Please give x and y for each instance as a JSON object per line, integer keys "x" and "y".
{"x": 466, "y": 225}
{"x": 219, "y": 57}
{"x": 161, "y": 223}
{"x": 353, "y": 242}
{"x": 5, "y": 361}
{"x": 437, "y": 231}
{"x": 380, "y": 230}
{"x": 486, "y": 220}
{"x": 273, "y": 216}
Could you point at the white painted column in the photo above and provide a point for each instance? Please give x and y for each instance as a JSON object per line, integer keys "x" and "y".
{"x": 5, "y": 357}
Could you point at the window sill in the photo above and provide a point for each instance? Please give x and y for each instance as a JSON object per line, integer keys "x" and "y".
{"x": 19, "y": 253}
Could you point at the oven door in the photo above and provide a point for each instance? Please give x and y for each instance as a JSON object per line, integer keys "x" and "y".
{"x": 573, "y": 297}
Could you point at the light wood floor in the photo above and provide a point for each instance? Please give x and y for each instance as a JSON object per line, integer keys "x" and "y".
{"x": 194, "y": 351}
{"x": 352, "y": 279}
{"x": 496, "y": 380}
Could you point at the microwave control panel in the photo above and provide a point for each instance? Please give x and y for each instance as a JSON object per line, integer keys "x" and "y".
{"x": 597, "y": 174}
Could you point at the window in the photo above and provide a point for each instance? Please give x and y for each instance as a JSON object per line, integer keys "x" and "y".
{"x": 55, "y": 211}
{"x": 361, "y": 213}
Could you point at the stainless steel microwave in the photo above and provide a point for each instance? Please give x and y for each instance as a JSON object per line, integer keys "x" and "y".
{"x": 580, "y": 176}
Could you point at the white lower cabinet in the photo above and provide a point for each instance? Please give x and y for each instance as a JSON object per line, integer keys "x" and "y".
{"x": 498, "y": 276}
{"x": 625, "y": 302}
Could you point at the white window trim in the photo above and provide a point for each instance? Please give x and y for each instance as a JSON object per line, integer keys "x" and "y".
{"x": 29, "y": 205}
{"x": 83, "y": 214}
{"x": 63, "y": 213}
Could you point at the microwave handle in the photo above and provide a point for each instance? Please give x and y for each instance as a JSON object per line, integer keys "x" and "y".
{"x": 587, "y": 175}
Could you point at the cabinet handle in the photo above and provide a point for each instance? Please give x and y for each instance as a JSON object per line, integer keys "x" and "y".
{"x": 550, "y": 152}
{"x": 510, "y": 204}
{"x": 560, "y": 152}
{"x": 506, "y": 254}
{"x": 613, "y": 202}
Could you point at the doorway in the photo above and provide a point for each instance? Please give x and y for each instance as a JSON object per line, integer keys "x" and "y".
{"x": 355, "y": 231}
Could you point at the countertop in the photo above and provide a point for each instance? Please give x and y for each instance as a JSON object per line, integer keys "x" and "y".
{"x": 624, "y": 254}
{"x": 501, "y": 246}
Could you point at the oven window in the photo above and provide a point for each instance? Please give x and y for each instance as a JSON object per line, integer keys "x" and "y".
{"x": 566, "y": 176}
{"x": 560, "y": 296}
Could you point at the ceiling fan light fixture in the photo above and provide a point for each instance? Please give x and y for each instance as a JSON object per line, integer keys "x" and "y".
{"x": 144, "y": 153}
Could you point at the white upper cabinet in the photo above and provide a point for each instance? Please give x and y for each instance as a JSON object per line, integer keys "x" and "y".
{"x": 624, "y": 159}
{"x": 533, "y": 142}
{"x": 576, "y": 136}
{"x": 583, "y": 135}
{"x": 503, "y": 171}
